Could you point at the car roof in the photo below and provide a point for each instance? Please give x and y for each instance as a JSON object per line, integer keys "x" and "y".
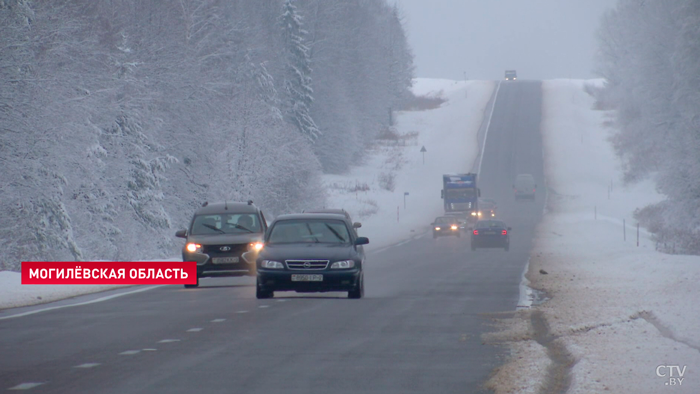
{"x": 300, "y": 216}
{"x": 329, "y": 210}
{"x": 491, "y": 222}
{"x": 226, "y": 207}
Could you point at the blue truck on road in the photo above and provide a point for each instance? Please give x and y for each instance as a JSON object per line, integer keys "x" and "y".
{"x": 460, "y": 194}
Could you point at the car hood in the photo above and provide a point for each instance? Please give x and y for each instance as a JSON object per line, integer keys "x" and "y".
{"x": 224, "y": 239}
{"x": 310, "y": 251}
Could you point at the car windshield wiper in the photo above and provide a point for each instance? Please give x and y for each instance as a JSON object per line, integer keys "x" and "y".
{"x": 311, "y": 233}
{"x": 335, "y": 232}
{"x": 236, "y": 225}
{"x": 213, "y": 228}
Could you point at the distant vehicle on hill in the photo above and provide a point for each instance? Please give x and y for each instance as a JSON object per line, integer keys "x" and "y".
{"x": 511, "y": 75}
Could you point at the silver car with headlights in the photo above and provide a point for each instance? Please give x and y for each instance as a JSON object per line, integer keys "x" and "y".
{"x": 218, "y": 236}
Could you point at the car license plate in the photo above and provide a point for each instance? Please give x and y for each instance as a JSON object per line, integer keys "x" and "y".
{"x": 489, "y": 233}
{"x": 224, "y": 260}
{"x": 307, "y": 278}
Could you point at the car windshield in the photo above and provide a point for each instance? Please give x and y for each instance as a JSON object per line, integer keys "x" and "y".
{"x": 460, "y": 193}
{"x": 226, "y": 223}
{"x": 490, "y": 224}
{"x": 309, "y": 231}
{"x": 446, "y": 220}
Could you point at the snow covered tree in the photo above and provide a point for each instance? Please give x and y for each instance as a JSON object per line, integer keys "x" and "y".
{"x": 297, "y": 80}
{"x": 649, "y": 56}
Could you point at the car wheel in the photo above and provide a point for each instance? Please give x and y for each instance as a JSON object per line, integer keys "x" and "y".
{"x": 263, "y": 294}
{"x": 194, "y": 285}
{"x": 506, "y": 248}
{"x": 359, "y": 291}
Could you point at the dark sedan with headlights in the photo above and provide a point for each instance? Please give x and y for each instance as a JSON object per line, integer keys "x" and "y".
{"x": 311, "y": 253}
{"x": 447, "y": 225}
{"x": 490, "y": 234}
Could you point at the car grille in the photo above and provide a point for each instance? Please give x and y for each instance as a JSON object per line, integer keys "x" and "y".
{"x": 215, "y": 250}
{"x": 307, "y": 264}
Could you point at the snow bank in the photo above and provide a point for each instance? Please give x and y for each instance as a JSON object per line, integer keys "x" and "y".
{"x": 617, "y": 310}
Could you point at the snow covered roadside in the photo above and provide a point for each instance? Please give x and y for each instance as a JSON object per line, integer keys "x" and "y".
{"x": 618, "y": 313}
{"x": 449, "y": 134}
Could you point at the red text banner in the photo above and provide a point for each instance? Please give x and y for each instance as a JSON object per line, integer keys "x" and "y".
{"x": 109, "y": 273}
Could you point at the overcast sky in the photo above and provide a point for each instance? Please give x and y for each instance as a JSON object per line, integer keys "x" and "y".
{"x": 541, "y": 39}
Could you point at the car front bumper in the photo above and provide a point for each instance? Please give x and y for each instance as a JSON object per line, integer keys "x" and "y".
{"x": 281, "y": 280}
{"x": 205, "y": 267}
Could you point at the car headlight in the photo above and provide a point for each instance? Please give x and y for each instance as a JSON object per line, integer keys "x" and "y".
{"x": 255, "y": 246}
{"x": 453, "y": 227}
{"x": 271, "y": 264}
{"x": 437, "y": 228}
{"x": 194, "y": 248}
{"x": 473, "y": 213}
{"x": 344, "y": 264}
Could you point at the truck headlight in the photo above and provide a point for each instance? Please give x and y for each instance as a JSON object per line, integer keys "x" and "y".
{"x": 343, "y": 264}
{"x": 271, "y": 264}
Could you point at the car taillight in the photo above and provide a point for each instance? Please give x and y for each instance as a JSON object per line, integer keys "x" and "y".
{"x": 476, "y": 232}
{"x": 533, "y": 190}
{"x": 504, "y": 232}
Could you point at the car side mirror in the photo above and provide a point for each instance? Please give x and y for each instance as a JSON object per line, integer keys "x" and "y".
{"x": 357, "y": 225}
{"x": 181, "y": 234}
{"x": 361, "y": 241}
{"x": 510, "y": 229}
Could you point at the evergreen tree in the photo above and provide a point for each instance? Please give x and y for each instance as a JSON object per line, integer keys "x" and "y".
{"x": 297, "y": 79}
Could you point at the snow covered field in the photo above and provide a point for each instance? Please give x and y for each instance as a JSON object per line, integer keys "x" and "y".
{"x": 618, "y": 313}
{"x": 449, "y": 134}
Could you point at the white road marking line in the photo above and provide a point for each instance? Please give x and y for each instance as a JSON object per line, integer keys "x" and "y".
{"x": 51, "y": 308}
{"x": 264, "y": 306}
{"x": 149, "y": 350}
{"x": 242, "y": 312}
{"x": 168, "y": 340}
{"x": 196, "y": 329}
{"x": 129, "y": 352}
{"x": 218, "y": 320}
{"x": 87, "y": 365}
{"x": 26, "y": 386}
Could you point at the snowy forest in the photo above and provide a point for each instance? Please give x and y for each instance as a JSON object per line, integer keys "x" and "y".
{"x": 650, "y": 58}
{"x": 119, "y": 118}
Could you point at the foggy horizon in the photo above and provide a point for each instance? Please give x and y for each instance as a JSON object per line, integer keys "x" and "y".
{"x": 543, "y": 39}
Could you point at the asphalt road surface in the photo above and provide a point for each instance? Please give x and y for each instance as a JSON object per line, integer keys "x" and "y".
{"x": 417, "y": 331}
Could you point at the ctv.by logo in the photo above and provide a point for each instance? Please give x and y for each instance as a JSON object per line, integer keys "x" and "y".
{"x": 674, "y": 373}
